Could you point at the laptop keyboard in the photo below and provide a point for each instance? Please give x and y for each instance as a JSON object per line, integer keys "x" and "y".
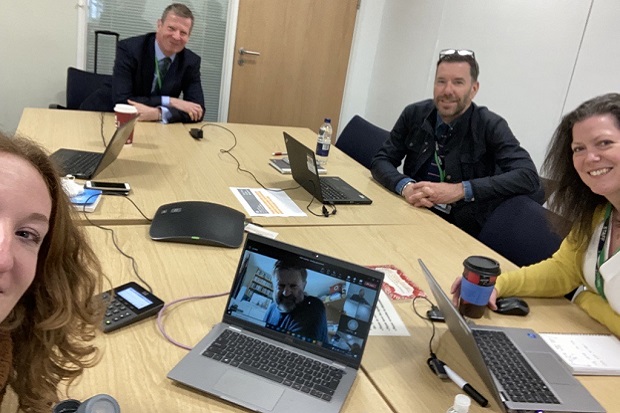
{"x": 275, "y": 363}
{"x": 520, "y": 382}
{"x": 329, "y": 192}
{"x": 82, "y": 163}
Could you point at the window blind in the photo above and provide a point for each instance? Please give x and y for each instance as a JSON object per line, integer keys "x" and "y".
{"x": 134, "y": 18}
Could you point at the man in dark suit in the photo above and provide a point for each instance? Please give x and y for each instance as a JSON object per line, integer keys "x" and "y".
{"x": 151, "y": 71}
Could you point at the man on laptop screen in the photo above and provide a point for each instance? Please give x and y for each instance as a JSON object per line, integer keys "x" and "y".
{"x": 292, "y": 310}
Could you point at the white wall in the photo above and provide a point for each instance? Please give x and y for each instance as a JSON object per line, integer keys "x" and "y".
{"x": 37, "y": 44}
{"x": 363, "y": 56}
{"x": 598, "y": 66}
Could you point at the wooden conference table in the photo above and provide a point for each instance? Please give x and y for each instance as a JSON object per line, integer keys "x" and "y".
{"x": 394, "y": 374}
{"x": 166, "y": 165}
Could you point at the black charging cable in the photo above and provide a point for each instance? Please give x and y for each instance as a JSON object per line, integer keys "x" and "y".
{"x": 439, "y": 367}
{"x": 134, "y": 264}
{"x": 198, "y": 132}
{"x": 324, "y": 211}
{"x": 102, "y": 118}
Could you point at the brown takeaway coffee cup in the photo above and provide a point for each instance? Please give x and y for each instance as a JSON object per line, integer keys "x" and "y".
{"x": 479, "y": 275}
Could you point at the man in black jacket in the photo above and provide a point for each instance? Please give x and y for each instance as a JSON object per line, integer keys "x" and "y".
{"x": 151, "y": 71}
{"x": 460, "y": 160}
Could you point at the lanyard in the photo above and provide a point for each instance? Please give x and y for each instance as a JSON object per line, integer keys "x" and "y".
{"x": 598, "y": 278}
{"x": 442, "y": 173}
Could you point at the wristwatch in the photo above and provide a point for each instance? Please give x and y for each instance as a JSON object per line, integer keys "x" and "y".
{"x": 405, "y": 186}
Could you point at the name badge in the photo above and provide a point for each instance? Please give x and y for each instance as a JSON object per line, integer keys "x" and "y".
{"x": 445, "y": 208}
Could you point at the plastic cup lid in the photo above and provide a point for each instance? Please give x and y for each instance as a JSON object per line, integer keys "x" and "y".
{"x": 124, "y": 108}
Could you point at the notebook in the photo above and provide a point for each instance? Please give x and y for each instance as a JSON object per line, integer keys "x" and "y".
{"x": 547, "y": 375}
{"x": 86, "y": 165}
{"x": 327, "y": 189}
{"x": 587, "y": 354}
{"x": 318, "y": 335}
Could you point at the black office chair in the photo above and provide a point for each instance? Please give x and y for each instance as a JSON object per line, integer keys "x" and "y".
{"x": 361, "y": 140}
{"x": 88, "y": 90}
{"x": 519, "y": 229}
{"x": 81, "y": 86}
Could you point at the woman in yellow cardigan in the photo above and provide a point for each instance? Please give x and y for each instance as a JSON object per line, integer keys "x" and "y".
{"x": 583, "y": 158}
{"x": 48, "y": 276}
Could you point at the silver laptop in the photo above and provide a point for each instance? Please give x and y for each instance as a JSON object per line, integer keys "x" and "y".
{"x": 85, "y": 164}
{"x": 327, "y": 189}
{"x": 302, "y": 359}
{"x": 548, "y": 380}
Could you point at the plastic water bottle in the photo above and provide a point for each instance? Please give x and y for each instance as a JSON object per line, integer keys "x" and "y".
{"x": 323, "y": 142}
{"x": 461, "y": 404}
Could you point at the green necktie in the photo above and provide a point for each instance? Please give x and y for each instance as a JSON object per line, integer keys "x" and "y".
{"x": 164, "y": 65}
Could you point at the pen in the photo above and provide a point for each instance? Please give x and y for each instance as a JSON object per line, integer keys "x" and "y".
{"x": 279, "y": 154}
{"x": 467, "y": 388}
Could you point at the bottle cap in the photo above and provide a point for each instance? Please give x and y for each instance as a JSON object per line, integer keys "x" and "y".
{"x": 462, "y": 403}
{"x": 328, "y": 120}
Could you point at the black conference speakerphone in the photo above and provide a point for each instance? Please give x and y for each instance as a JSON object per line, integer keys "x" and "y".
{"x": 128, "y": 304}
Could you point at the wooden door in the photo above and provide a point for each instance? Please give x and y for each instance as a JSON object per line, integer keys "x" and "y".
{"x": 298, "y": 78}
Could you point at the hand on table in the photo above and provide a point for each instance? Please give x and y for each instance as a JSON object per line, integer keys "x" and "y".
{"x": 145, "y": 113}
{"x": 194, "y": 110}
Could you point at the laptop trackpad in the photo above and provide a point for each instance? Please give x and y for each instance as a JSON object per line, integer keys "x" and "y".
{"x": 550, "y": 368}
{"x": 245, "y": 387}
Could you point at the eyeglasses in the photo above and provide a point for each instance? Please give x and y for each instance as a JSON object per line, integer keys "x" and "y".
{"x": 461, "y": 52}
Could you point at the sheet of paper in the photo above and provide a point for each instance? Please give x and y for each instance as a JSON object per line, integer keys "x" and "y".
{"x": 386, "y": 321}
{"x": 259, "y": 202}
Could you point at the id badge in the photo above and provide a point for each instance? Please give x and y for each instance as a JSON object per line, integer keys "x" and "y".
{"x": 445, "y": 208}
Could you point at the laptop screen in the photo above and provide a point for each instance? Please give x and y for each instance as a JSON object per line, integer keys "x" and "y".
{"x": 316, "y": 302}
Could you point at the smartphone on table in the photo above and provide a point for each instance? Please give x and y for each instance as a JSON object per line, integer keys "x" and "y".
{"x": 121, "y": 188}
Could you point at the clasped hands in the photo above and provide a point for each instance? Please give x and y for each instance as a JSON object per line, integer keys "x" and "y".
{"x": 426, "y": 194}
{"x": 151, "y": 114}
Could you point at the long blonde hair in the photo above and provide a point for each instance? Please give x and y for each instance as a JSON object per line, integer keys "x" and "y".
{"x": 53, "y": 324}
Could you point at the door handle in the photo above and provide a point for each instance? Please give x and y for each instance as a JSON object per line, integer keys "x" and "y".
{"x": 242, "y": 51}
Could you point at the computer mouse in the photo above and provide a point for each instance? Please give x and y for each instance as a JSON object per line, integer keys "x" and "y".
{"x": 512, "y": 306}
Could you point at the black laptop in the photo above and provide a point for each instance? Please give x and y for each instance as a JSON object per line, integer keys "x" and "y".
{"x": 86, "y": 165}
{"x": 327, "y": 189}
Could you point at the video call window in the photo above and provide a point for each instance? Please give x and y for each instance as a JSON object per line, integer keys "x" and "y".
{"x": 337, "y": 305}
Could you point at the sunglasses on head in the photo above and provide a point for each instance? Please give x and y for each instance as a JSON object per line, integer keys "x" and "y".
{"x": 461, "y": 52}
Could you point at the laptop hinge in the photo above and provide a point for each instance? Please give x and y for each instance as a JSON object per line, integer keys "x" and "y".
{"x": 339, "y": 366}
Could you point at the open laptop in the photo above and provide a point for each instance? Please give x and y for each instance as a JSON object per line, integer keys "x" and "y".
{"x": 558, "y": 390}
{"x": 327, "y": 189}
{"x": 328, "y": 353}
{"x": 85, "y": 164}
